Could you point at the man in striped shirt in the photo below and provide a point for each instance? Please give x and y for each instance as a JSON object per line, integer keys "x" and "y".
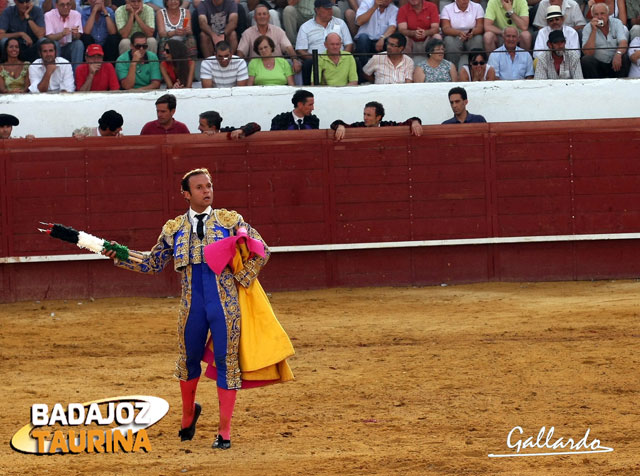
{"x": 223, "y": 70}
{"x": 392, "y": 67}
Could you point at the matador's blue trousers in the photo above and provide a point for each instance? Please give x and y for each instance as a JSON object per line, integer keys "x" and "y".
{"x": 205, "y": 314}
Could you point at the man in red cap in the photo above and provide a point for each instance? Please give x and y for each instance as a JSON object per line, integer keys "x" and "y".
{"x": 95, "y": 75}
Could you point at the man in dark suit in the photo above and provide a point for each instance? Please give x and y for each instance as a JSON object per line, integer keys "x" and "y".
{"x": 301, "y": 117}
{"x": 372, "y": 117}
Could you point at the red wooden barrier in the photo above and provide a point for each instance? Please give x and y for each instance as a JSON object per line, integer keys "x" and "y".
{"x": 302, "y": 188}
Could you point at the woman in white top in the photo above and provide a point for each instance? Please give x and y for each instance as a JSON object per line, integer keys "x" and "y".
{"x": 174, "y": 23}
{"x": 478, "y": 68}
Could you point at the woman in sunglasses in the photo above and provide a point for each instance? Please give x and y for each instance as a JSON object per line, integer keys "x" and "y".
{"x": 477, "y": 69}
{"x": 177, "y": 69}
{"x": 435, "y": 69}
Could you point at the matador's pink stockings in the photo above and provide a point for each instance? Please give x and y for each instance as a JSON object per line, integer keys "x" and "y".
{"x": 227, "y": 400}
{"x": 188, "y": 390}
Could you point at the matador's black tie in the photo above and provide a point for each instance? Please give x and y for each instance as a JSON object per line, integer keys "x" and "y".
{"x": 200, "y": 228}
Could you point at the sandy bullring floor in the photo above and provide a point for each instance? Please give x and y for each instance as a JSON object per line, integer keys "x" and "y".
{"x": 390, "y": 381}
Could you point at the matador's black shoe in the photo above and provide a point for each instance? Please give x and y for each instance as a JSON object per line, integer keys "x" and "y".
{"x": 221, "y": 444}
{"x": 187, "y": 433}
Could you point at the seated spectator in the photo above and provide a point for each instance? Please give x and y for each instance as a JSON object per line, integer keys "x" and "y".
{"x": 458, "y": 102}
{"x": 462, "y": 27}
{"x": 372, "y": 115}
{"x": 555, "y": 22}
{"x": 337, "y": 67}
{"x": 138, "y": 68}
{"x": 99, "y": 25}
{"x": 376, "y": 20}
{"x": 165, "y": 124}
{"x": 501, "y": 14}
{"x": 435, "y": 69}
{"x": 262, "y": 27}
{"x": 510, "y": 61}
{"x": 609, "y": 37}
{"x": 177, "y": 69}
{"x": 392, "y": 67}
{"x": 14, "y": 73}
{"x": 558, "y": 63}
{"x": 109, "y": 125}
{"x": 174, "y": 22}
{"x": 573, "y": 17}
{"x": 210, "y": 122}
{"x": 300, "y": 118}
{"x": 633, "y": 14}
{"x": 95, "y": 75}
{"x": 634, "y": 57}
{"x": 617, "y": 8}
{"x": 274, "y": 9}
{"x": 218, "y": 20}
{"x": 419, "y": 21}
{"x": 25, "y": 22}
{"x": 348, "y": 9}
{"x": 50, "y": 73}
{"x": 298, "y": 12}
{"x": 268, "y": 70}
{"x": 135, "y": 17}
{"x": 478, "y": 68}
{"x": 64, "y": 27}
{"x": 223, "y": 70}
{"x": 312, "y": 34}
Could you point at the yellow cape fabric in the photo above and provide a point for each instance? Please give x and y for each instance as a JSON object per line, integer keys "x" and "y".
{"x": 264, "y": 344}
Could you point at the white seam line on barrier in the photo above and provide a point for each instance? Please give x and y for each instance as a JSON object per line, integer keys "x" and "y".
{"x": 367, "y": 246}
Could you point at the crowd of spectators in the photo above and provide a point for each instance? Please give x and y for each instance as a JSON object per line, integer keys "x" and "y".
{"x": 63, "y": 45}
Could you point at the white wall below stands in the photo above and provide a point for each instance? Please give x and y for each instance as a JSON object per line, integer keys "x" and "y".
{"x": 57, "y": 115}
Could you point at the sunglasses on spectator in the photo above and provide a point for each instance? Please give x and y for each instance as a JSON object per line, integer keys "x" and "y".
{"x": 141, "y": 47}
{"x": 23, "y": 1}
{"x": 478, "y": 63}
{"x": 167, "y": 51}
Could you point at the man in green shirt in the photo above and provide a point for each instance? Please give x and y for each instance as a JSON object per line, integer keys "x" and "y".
{"x": 135, "y": 17}
{"x": 138, "y": 68}
{"x": 337, "y": 67}
{"x": 503, "y": 13}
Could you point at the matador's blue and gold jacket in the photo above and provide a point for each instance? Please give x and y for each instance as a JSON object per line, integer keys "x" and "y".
{"x": 178, "y": 242}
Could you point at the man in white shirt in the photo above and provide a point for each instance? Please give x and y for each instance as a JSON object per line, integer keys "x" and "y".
{"x": 555, "y": 21}
{"x": 312, "y": 34}
{"x": 223, "y": 70}
{"x": 50, "y": 73}
{"x": 377, "y": 20}
{"x": 571, "y": 12}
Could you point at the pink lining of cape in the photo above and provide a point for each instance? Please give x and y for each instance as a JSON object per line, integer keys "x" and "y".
{"x": 220, "y": 253}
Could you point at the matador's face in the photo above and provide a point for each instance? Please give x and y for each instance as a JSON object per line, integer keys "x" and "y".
{"x": 200, "y": 194}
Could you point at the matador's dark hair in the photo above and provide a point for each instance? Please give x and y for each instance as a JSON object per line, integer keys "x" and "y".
{"x": 185, "y": 179}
